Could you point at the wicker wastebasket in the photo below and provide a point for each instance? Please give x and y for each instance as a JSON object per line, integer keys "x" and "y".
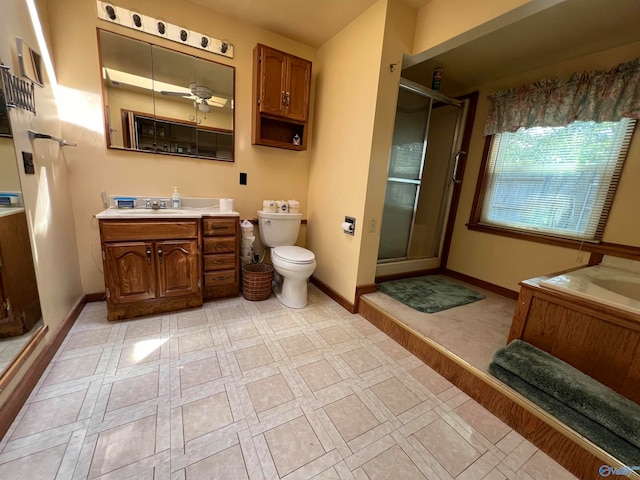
{"x": 256, "y": 281}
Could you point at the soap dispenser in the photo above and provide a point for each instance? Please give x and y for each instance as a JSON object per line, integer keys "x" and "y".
{"x": 175, "y": 198}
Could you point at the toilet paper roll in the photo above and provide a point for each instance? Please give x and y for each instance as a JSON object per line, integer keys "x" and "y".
{"x": 282, "y": 206}
{"x": 294, "y": 206}
{"x": 246, "y": 228}
{"x": 269, "y": 206}
{"x": 226, "y": 204}
{"x": 347, "y": 227}
{"x": 247, "y": 241}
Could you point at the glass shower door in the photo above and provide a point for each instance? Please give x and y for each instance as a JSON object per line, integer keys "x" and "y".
{"x": 405, "y": 174}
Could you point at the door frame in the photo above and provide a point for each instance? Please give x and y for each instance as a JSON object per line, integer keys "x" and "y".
{"x": 457, "y": 187}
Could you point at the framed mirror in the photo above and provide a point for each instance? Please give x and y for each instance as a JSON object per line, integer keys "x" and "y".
{"x": 20, "y": 313}
{"x": 161, "y": 101}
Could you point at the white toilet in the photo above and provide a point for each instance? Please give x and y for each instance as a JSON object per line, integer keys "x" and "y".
{"x": 293, "y": 265}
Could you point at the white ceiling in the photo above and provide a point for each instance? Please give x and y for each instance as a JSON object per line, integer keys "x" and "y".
{"x": 570, "y": 29}
{"x": 311, "y": 22}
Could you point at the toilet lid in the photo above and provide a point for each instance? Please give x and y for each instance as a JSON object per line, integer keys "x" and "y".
{"x": 292, "y": 254}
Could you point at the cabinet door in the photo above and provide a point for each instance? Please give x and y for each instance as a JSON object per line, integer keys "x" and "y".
{"x": 299, "y": 80}
{"x": 3, "y": 301}
{"x": 273, "y": 77}
{"x": 130, "y": 272}
{"x": 178, "y": 271}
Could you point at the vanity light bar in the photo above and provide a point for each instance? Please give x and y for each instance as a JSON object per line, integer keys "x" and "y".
{"x": 153, "y": 26}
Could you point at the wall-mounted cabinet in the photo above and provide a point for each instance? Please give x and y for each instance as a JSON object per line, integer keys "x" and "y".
{"x": 147, "y": 133}
{"x": 281, "y": 91}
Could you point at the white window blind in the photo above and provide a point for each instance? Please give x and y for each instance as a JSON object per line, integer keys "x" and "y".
{"x": 556, "y": 181}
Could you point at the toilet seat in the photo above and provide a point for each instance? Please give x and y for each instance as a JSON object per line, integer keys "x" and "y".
{"x": 293, "y": 254}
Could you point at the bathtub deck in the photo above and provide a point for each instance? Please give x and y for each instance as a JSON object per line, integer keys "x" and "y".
{"x": 561, "y": 443}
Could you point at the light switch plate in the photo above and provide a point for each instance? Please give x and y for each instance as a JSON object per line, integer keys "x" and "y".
{"x": 27, "y": 160}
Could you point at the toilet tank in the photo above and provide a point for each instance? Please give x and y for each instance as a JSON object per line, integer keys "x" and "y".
{"x": 278, "y": 229}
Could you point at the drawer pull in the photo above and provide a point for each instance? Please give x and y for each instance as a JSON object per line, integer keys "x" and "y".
{"x": 220, "y": 278}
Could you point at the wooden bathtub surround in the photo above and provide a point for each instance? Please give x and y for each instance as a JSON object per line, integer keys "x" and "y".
{"x": 564, "y": 445}
{"x": 601, "y": 341}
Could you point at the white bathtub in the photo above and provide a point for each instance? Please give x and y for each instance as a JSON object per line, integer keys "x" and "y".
{"x": 603, "y": 284}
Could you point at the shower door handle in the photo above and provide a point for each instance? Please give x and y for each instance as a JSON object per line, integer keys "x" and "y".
{"x": 454, "y": 174}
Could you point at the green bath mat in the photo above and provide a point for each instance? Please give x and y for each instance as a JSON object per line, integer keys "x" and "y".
{"x": 429, "y": 294}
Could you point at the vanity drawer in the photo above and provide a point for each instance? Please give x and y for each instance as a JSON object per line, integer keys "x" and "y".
{"x": 119, "y": 230}
{"x": 223, "y": 277}
{"x": 220, "y": 244}
{"x": 219, "y": 226}
{"x": 219, "y": 262}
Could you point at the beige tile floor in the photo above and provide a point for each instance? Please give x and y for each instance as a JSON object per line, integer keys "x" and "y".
{"x": 238, "y": 389}
{"x": 473, "y": 332}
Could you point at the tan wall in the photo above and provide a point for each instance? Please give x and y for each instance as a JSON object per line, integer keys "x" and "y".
{"x": 272, "y": 173}
{"x": 398, "y": 37}
{"x": 46, "y": 194}
{"x": 9, "y": 178}
{"x": 505, "y": 261}
{"x": 445, "y": 24}
{"x": 346, "y": 91}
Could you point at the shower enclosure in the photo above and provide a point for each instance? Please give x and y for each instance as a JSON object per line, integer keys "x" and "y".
{"x": 422, "y": 170}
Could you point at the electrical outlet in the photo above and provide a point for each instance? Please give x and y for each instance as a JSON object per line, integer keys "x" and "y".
{"x": 372, "y": 225}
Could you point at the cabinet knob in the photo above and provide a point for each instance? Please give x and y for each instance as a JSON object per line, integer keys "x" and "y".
{"x": 284, "y": 98}
{"x": 149, "y": 255}
{"x": 160, "y": 254}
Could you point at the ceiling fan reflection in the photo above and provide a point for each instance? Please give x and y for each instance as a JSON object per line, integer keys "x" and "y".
{"x": 202, "y": 96}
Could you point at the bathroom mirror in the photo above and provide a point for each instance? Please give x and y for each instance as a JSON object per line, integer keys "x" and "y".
{"x": 162, "y": 101}
{"x": 20, "y": 314}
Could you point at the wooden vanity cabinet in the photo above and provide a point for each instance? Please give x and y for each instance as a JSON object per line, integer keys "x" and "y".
{"x": 150, "y": 266}
{"x": 221, "y": 258}
{"x": 282, "y": 85}
{"x": 19, "y": 299}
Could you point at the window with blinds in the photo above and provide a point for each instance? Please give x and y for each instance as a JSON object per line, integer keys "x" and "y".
{"x": 557, "y": 181}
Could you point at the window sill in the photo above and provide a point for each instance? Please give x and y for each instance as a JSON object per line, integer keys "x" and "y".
{"x": 604, "y": 248}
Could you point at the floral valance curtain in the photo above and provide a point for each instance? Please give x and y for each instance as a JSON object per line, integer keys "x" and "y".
{"x": 587, "y": 96}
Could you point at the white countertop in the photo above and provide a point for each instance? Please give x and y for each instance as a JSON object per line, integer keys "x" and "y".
{"x": 6, "y": 211}
{"x": 191, "y": 207}
{"x": 177, "y": 213}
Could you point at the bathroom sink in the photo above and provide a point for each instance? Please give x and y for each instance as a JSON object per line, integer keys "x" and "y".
{"x": 150, "y": 211}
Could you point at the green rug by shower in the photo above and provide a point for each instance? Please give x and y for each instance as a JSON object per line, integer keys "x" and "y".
{"x": 429, "y": 294}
